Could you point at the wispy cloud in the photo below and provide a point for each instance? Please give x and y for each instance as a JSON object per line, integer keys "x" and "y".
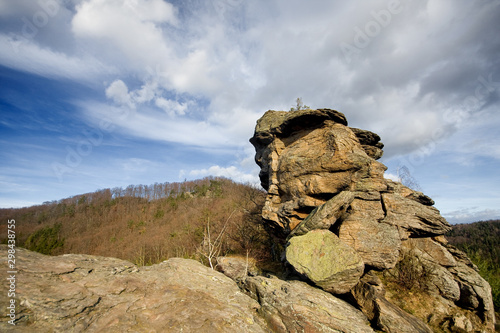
{"x": 196, "y": 75}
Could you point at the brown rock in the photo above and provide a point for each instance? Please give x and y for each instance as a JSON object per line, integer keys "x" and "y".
{"x": 322, "y": 175}
{"x": 325, "y": 216}
{"x": 237, "y": 268}
{"x": 377, "y": 243}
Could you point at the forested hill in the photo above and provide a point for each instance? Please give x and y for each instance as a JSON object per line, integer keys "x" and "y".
{"x": 147, "y": 224}
{"x": 481, "y": 242}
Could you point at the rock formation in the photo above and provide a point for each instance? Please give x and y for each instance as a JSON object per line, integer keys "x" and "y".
{"x": 349, "y": 233}
{"x": 83, "y": 293}
{"x": 327, "y": 196}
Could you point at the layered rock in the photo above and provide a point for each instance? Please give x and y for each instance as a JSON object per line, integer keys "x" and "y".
{"x": 321, "y": 174}
{"x": 82, "y": 293}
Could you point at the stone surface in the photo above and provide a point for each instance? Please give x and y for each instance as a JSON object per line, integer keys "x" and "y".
{"x": 76, "y": 293}
{"x": 369, "y": 294}
{"x": 376, "y": 242}
{"x": 309, "y": 157}
{"x": 294, "y": 306}
{"x": 325, "y": 260}
{"x": 325, "y": 216}
{"x": 237, "y": 268}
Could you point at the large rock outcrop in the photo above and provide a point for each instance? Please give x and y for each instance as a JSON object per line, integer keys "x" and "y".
{"x": 321, "y": 174}
{"x": 83, "y": 293}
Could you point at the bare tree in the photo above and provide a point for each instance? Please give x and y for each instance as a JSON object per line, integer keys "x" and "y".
{"x": 405, "y": 178}
{"x": 211, "y": 249}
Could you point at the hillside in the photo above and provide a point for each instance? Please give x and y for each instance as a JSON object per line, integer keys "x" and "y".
{"x": 147, "y": 224}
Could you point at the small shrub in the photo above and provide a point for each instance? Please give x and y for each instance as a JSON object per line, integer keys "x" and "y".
{"x": 159, "y": 214}
{"x": 409, "y": 273}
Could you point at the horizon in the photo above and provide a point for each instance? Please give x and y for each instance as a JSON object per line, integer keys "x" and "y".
{"x": 102, "y": 94}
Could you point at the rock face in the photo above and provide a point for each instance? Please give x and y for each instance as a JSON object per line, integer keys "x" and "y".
{"x": 82, "y": 293}
{"x": 322, "y": 177}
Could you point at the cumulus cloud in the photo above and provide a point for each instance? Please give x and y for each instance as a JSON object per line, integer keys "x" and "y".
{"x": 218, "y": 171}
{"x": 118, "y": 92}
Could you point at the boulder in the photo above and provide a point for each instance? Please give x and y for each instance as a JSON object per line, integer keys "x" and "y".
{"x": 325, "y": 215}
{"x": 295, "y": 306}
{"x": 77, "y": 293}
{"x": 376, "y": 242}
{"x": 237, "y": 268}
{"x": 325, "y": 260}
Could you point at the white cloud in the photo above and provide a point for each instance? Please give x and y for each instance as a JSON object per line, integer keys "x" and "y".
{"x": 468, "y": 215}
{"x": 171, "y": 107}
{"x": 201, "y": 73}
{"x": 129, "y": 32}
{"x": 24, "y": 54}
{"x": 118, "y": 92}
{"x": 231, "y": 172}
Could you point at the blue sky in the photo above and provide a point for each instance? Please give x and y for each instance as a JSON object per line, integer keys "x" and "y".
{"x": 104, "y": 93}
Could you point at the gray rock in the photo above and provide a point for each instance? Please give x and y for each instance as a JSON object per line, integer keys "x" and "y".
{"x": 237, "y": 268}
{"x": 77, "y": 293}
{"x": 294, "y": 306}
{"x": 377, "y": 243}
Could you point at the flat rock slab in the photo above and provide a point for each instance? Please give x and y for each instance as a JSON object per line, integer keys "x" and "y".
{"x": 326, "y": 260}
{"x": 83, "y": 293}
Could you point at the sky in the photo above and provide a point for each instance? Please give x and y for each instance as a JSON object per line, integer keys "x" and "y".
{"x": 99, "y": 94}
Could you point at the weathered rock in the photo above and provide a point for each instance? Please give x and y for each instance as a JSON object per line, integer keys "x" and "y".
{"x": 76, "y": 293}
{"x": 369, "y": 294}
{"x": 294, "y": 306}
{"x": 324, "y": 259}
{"x": 322, "y": 176}
{"x": 325, "y": 216}
{"x": 370, "y": 142}
{"x": 237, "y": 268}
{"x": 376, "y": 242}
{"x": 449, "y": 281}
{"x": 417, "y": 219}
{"x": 309, "y": 157}
{"x": 475, "y": 293}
